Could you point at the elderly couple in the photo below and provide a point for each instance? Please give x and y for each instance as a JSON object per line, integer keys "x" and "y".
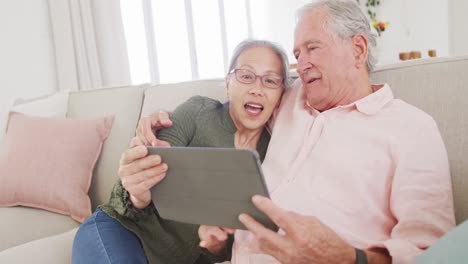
{"x": 355, "y": 175}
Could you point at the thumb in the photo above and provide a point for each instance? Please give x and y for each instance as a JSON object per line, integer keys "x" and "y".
{"x": 135, "y": 142}
{"x": 160, "y": 143}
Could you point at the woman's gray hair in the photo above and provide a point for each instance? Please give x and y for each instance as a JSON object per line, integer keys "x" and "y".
{"x": 251, "y": 43}
{"x": 346, "y": 19}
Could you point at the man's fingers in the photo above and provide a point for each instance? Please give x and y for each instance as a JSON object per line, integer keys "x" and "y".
{"x": 270, "y": 242}
{"x": 291, "y": 223}
{"x": 275, "y": 213}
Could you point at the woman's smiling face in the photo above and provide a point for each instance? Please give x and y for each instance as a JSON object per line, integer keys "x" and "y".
{"x": 252, "y": 104}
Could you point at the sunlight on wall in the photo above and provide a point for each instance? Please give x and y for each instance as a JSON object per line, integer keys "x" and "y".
{"x": 172, "y": 44}
{"x": 208, "y": 38}
{"x": 236, "y": 23}
{"x": 136, "y": 40}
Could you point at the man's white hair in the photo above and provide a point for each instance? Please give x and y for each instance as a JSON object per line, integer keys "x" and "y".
{"x": 345, "y": 19}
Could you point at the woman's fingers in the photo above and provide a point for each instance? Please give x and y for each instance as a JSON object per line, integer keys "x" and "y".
{"x": 149, "y": 124}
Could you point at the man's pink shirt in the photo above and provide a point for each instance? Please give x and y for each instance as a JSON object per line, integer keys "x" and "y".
{"x": 375, "y": 171}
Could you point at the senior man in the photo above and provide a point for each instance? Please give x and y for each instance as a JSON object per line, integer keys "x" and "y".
{"x": 355, "y": 175}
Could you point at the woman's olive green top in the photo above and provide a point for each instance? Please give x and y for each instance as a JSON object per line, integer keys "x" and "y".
{"x": 199, "y": 122}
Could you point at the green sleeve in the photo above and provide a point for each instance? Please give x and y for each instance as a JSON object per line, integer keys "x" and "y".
{"x": 184, "y": 122}
{"x": 120, "y": 203}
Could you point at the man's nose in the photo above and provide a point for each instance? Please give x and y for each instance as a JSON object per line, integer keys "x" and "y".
{"x": 303, "y": 65}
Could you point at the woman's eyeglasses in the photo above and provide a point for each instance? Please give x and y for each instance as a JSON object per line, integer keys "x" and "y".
{"x": 271, "y": 81}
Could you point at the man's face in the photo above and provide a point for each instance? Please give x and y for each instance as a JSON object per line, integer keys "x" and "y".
{"x": 323, "y": 63}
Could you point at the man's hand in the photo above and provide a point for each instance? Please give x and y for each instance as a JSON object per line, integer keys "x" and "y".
{"x": 306, "y": 239}
{"x": 147, "y": 126}
{"x": 214, "y": 238}
{"x": 139, "y": 172}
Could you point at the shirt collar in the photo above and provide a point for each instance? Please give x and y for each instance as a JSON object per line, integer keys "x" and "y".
{"x": 369, "y": 105}
{"x": 375, "y": 101}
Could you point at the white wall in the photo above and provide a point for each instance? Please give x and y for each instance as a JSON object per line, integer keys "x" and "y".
{"x": 275, "y": 20}
{"x": 26, "y": 50}
{"x": 458, "y": 10}
{"x": 414, "y": 25}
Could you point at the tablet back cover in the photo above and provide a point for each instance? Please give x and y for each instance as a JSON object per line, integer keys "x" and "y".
{"x": 210, "y": 186}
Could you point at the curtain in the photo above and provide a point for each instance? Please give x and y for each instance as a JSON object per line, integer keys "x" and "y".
{"x": 89, "y": 43}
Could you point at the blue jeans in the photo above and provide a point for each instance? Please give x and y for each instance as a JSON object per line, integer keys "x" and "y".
{"x": 102, "y": 239}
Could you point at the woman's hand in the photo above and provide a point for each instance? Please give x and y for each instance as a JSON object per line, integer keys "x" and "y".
{"x": 214, "y": 238}
{"x": 139, "y": 172}
{"x": 151, "y": 123}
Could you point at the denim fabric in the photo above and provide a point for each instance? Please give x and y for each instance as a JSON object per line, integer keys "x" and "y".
{"x": 102, "y": 239}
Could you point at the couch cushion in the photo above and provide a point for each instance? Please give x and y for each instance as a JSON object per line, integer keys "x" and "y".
{"x": 52, "y": 105}
{"x": 54, "y": 249}
{"x": 21, "y": 225}
{"x": 439, "y": 86}
{"x": 168, "y": 96}
{"x": 125, "y": 104}
{"x": 51, "y": 168}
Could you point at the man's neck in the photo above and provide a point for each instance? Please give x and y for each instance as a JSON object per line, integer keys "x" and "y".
{"x": 360, "y": 90}
{"x": 354, "y": 91}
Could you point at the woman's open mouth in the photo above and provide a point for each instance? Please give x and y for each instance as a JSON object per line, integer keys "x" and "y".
{"x": 253, "y": 108}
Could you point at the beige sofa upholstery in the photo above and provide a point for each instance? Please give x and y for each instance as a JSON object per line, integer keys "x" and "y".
{"x": 438, "y": 86}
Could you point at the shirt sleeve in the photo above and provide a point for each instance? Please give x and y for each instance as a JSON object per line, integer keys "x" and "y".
{"x": 184, "y": 122}
{"x": 120, "y": 203}
{"x": 421, "y": 196}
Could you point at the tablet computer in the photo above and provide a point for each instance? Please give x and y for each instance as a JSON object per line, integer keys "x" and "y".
{"x": 210, "y": 186}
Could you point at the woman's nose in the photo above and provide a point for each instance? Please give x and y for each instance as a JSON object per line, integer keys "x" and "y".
{"x": 257, "y": 89}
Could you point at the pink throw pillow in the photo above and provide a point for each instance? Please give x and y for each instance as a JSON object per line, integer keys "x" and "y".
{"x": 48, "y": 162}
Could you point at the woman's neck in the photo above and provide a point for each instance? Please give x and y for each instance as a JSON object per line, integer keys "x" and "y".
{"x": 247, "y": 139}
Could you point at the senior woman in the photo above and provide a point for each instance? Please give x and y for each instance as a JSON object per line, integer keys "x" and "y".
{"x": 128, "y": 229}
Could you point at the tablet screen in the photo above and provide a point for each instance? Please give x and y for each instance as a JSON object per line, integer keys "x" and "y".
{"x": 210, "y": 186}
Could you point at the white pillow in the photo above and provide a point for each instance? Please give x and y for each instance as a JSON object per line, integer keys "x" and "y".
{"x": 53, "y": 105}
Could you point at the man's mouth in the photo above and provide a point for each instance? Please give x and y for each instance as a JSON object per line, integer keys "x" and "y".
{"x": 312, "y": 80}
{"x": 254, "y": 108}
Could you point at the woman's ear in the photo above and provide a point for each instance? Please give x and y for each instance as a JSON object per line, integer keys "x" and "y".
{"x": 360, "y": 50}
{"x": 226, "y": 80}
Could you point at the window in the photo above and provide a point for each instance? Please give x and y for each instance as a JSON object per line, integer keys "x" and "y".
{"x": 180, "y": 40}
{"x": 134, "y": 28}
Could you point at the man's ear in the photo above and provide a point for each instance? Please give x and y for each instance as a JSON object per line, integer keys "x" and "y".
{"x": 360, "y": 50}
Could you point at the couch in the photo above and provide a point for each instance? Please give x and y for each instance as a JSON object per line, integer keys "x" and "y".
{"x": 439, "y": 86}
